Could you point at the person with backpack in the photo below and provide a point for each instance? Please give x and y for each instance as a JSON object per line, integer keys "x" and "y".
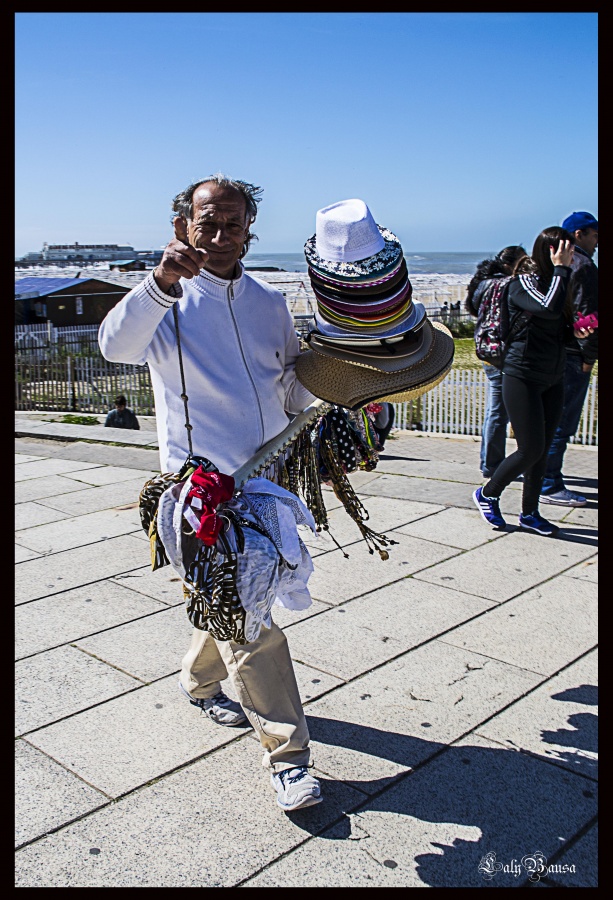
{"x": 537, "y": 314}
{"x": 490, "y": 275}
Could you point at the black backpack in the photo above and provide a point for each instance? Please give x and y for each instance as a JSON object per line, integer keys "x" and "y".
{"x": 494, "y": 331}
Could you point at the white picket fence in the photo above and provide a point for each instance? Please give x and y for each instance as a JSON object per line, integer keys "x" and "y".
{"x": 457, "y": 406}
{"x": 46, "y": 379}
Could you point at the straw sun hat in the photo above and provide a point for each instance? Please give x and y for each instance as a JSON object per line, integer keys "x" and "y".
{"x": 340, "y": 378}
{"x": 358, "y": 352}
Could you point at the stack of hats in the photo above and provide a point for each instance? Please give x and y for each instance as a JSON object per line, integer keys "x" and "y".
{"x": 368, "y": 340}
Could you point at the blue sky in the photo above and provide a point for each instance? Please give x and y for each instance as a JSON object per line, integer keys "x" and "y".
{"x": 461, "y": 131}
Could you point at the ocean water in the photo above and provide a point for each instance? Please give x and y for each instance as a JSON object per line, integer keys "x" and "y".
{"x": 425, "y": 263}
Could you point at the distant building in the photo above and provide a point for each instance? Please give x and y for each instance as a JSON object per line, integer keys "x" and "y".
{"x": 54, "y": 254}
{"x": 65, "y": 301}
{"x": 76, "y": 251}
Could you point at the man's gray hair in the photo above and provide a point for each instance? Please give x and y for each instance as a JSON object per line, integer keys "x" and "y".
{"x": 183, "y": 203}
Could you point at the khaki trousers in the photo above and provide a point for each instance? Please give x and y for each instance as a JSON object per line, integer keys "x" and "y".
{"x": 263, "y": 677}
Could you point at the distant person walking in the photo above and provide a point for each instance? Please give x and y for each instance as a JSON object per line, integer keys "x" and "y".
{"x": 495, "y": 420}
{"x": 533, "y": 375}
{"x": 122, "y": 416}
{"x": 445, "y": 312}
{"x": 581, "y": 354}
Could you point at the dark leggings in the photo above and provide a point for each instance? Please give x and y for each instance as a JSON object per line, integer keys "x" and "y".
{"x": 534, "y": 411}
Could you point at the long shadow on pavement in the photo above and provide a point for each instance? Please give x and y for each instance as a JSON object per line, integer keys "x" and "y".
{"x": 471, "y": 800}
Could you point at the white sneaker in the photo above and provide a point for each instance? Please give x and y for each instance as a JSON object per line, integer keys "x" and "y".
{"x": 295, "y": 788}
{"x": 220, "y": 709}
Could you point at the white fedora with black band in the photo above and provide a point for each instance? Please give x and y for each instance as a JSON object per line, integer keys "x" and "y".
{"x": 366, "y": 353}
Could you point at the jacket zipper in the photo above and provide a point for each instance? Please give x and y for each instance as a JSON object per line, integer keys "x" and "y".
{"x": 238, "y": 337}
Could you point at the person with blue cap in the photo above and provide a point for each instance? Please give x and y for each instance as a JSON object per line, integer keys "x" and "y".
{"x": 581, "y": 354}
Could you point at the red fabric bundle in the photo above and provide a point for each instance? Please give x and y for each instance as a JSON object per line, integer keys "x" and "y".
{"x": 211, "y": 489}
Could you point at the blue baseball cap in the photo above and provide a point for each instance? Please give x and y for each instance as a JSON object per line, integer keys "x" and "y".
{"x": 580, "y": 221}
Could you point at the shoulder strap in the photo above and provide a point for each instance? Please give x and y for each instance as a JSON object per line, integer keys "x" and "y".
{"x": 184, "y": 396}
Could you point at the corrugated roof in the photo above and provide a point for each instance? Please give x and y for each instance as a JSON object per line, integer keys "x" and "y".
{"x": 45, "y": 286}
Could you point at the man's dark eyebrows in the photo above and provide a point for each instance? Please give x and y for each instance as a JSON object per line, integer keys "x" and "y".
{"x": 211, "y": 216}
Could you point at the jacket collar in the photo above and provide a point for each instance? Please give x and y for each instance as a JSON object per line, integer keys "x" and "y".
{"x": 214, "y": 286}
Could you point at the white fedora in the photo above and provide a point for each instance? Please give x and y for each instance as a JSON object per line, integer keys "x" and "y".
{"x": 348, "y": 242}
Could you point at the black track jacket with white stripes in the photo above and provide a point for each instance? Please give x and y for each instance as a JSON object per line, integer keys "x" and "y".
{"x": 537, "y": 353}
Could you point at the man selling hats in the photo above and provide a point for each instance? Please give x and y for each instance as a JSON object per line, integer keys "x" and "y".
{"x": 239, "y": 348}
{"x": 369, "y": 340}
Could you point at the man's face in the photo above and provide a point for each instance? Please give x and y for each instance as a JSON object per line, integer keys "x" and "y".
{"x": 219, "y": 226}
{"x": 587, "y": 240}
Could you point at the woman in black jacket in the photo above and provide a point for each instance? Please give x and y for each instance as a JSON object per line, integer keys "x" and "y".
{"x": 533, "y": 375}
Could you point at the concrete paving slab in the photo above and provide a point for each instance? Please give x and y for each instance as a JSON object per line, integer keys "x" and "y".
{"x": 63, "y": 571}
{"x": 29, "y": 429}
{"x": 22, "y": 554}
{"x": 46, "y": 795}
{"x": 93, "y": 499}
{"x": 79, "y": 531}
{"x": 350, "y": 640}
{"x": 112, "y": 475}
{"x": 577, "y": 866}
{"x": 47, "y": 467}
{"x": 436, "y": 825}
{"x": 101, "y": 454}
{"x": 312, "y": 683}
{"x": 25, "y": 457}
{"x": 585, "y": 571}
{"x": 148, "y": 648}
{"x": 465, "y": 472}
{"x": 285, "y": 618}
{"x": 337, "y": 579}
{"x": 426, "y": 490}
{"x": 462, "y": 528}
{"x": 542, "y": 630}
{"x": 394, "y": 718}
{"x": 66, "y": 617}
{"x": 40, "y": 488}
{"x": 61, "y": 682}
{"x": 385, "y": 514}
{"x": 142, "y": 840}
{"x": 581, "y": 515}
{"x": 28, "y": 515}
{"x": 507, "y": 567}
{"x": 134, "y": 738}
{"x": 557, "y": 722}
{"x": 164, "y": 584}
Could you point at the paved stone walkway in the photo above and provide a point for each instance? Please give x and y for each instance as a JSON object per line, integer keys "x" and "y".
{"x": 450, "y": 692}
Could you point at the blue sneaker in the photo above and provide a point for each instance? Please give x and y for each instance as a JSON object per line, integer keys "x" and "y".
{"x": 489, "y": 507}
{"x": 535, "y": 522}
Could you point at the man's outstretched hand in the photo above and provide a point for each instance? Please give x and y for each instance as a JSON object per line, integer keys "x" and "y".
{"x": 180, "y": 259}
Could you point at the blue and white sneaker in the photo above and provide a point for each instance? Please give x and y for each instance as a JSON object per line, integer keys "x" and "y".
{"x": 564, "y": 498}
{"x": 489, "y": 507}
{"x": 536, "y": 523}
{"x": 295, "y": 788}
{"x": 219, "y": 709}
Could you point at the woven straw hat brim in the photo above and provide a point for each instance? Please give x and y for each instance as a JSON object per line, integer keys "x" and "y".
{"x": 352, "y": 386}
{"x": 408, "y": 352}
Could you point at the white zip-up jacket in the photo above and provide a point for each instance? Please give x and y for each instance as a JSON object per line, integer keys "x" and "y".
{"x": 239, "y": 348}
